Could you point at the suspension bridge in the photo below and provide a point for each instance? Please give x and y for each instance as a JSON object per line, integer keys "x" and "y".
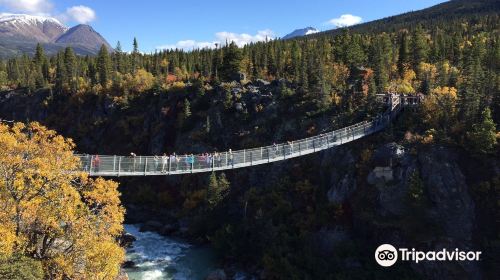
{"x": 113, "y": 165}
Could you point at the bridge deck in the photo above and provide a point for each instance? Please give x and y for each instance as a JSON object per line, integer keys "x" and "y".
{"x": 185, "y": 164}
{"x": 106, "y": 166}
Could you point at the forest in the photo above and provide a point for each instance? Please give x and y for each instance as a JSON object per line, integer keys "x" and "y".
{"x": 231, "y": 97}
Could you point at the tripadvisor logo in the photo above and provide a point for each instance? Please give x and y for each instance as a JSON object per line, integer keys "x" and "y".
{"x": 387, "y": 255}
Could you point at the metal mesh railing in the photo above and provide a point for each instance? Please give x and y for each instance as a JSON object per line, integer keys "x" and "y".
{"x": 102, "y": 165}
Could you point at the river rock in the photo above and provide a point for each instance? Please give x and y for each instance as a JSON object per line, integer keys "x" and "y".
{"x": 218, "y": 274}
{"x": 127, "y": 239}
{"x": 128, "y": 264}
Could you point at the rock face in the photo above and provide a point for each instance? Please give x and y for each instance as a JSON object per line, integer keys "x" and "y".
{"x": 342, "y": 176}
{"x": 451, "y": 206}
{"x": 448, "y": 191}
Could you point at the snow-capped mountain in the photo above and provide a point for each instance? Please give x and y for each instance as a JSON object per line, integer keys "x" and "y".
{"x": 19, "y": 33}
{"x": 35, "y": 28}
{"x": 301, "y": 32}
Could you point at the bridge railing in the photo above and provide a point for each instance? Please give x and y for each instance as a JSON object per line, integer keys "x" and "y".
{"x": 157, "y": 165}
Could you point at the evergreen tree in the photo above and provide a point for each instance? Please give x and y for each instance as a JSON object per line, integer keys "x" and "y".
{"x": 217, "y": 189}
{"x": 404, "y": 53}
{"x": 381, "y": 58}
{"x": 419, "y": 48}
{"x": 135, "y": 56}
{"x": 60, "y": 73}
{"x": 40, "y": 66}
{"x": 482, "y": 138}
{"x": 39, "y": 55}
{"x": 103, "y": 66}
{"x": 231, "y": 61}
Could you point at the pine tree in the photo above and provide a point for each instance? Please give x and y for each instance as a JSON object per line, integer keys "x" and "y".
{"x": 70, "y": 64}
{"x": 135, "y": 56}
{"x": 39, "y": 55}
{"x": 482, "y": 138}
{"x": 381, "y": 58}
{"x": 117, "y": 55}
{"x": 40, "y": 66}
{"x": 60, "y": 73}
{"x": 231, "y": 63}
{"x": 404, "y": 53}
{"x": 103, "y": 66}
{"x": 419, "y": 48}
{"x": 472, "y": 90}
{"x": 217, "y": 189}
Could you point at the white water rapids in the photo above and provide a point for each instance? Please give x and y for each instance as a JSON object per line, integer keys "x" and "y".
{"x": 157, "y": 257}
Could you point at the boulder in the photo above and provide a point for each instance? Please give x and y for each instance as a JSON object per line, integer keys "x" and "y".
{"x": 127, "y": 239}
{"x": 128, "y": 264}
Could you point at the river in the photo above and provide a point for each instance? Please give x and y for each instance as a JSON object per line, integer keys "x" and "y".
{"x": 160, "y": 257}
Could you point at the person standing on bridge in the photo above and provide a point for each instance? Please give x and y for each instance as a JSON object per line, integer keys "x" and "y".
{"x": 157, "y": 162}
{"x": 190, "y": 161}
{"x": 97, "y": 163}
{"x": 209, "y": 160}
{"x": 230, "y": 157}
{"x": 214, "y": 158}
{"x": 133, "y": 155}
{"x": 164, "y": 162}
{"x": 173, "y": 159}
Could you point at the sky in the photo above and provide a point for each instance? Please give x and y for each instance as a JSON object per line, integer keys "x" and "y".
{"x": 188, "y": 24}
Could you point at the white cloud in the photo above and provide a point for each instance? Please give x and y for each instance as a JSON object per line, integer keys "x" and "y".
{"x": 188, "y": 45}
{"x": 80, "y": 14}
{"x": 345, "y": 20}
{"x": 221, "y": 38}
{"x": 35, "y": 7}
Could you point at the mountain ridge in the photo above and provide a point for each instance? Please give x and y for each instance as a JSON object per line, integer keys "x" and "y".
{"x": 301, "y": 32}
{"x": 19, "y": 33}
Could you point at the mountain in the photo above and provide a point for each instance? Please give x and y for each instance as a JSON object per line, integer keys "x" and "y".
{"x": 83, "y": 36}
{"x": 19, "y": 33}
{"x": 30, "y": 28}
{"x": 301, "y": 32}
{"x": 439, "y": 15}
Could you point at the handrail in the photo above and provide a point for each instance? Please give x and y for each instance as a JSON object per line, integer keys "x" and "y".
{"x": 107, "y": 165}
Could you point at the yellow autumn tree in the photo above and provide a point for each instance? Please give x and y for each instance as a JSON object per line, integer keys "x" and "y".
{"x": 52, "y": 213}
{"x": 404, "y": 85}
{"x": 440, "y": 108}
{"x": 142, "y": 81}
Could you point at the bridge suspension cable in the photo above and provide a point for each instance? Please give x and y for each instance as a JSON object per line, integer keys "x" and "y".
{"x": 113, "y": 165}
